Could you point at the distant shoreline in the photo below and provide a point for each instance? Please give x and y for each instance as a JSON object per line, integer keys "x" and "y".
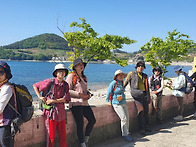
{"x": 101, "y": 62}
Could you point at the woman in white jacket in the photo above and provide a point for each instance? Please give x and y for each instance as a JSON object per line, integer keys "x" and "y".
{"x": 178, "y": 90}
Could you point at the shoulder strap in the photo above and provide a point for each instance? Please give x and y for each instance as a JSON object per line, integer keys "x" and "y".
{"x": 74, "y": 80}
{"x": 51, "y": 87}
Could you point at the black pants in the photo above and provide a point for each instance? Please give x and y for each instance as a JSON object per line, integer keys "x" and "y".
{"x": 143, "y": 118}
{"x": 78, "y": 113}
{"x": 6, "y": 139}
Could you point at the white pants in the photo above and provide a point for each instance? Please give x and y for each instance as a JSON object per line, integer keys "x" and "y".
{"x": 123, "y": 113}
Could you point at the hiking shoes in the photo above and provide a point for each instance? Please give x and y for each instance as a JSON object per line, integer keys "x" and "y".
{"x": 128, "y": 138}
{"x": 178, "y": 118}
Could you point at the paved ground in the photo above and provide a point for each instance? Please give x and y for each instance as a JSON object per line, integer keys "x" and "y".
{"x": 169, "y": 134}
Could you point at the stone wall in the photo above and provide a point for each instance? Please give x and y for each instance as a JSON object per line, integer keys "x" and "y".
{"x": 107, "y": 123}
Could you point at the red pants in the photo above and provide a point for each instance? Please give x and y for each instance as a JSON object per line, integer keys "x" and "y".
{"x": 51, "y": 126}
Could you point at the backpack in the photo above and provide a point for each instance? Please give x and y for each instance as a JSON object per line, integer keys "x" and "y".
{"x": 188, "y": 85}
{"x": 24, "y": 108}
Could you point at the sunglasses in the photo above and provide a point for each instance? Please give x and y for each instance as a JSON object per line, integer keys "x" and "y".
{"x": 2, "y": 72}
{"x": 140, "y": 66}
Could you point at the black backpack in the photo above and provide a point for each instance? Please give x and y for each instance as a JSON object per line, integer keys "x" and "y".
{"x": 24, "y": 110}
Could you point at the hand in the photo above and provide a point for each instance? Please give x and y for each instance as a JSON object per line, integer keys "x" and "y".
{"x": 109, "y": 104}
{"x": 43, "y": 99}
{"x": 49, "y": 101}
{"x": 84, "y": 96}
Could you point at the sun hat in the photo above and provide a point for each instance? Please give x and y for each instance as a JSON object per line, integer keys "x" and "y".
{"x": 7, "y": 69}
{"x": 157, "y": 69}
{"x": 77, "y": 61}
{"x": 59, "y": 67}
{"x": 119, "y": 72}
{"x": 177, "y": 68}
{"x": 140, "y": 62}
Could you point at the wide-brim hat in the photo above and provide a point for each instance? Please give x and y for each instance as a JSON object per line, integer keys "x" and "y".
{"x": 59, "y": 67}
{"x": 177, "y": 68}
{"x": 119, "y": 72}
{"x": 140, "y": 62}
{"x": 7, "y": 69}
{"x": 77, "y": 61}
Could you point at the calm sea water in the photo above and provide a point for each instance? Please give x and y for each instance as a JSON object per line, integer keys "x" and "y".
{"x": 99, "y": 75}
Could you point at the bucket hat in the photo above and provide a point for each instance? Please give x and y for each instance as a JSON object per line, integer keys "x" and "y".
{"x": 157, "y": 69}
{"x": 119, "y": 72}
{"x": 140, "y": 62}
{"x": 7, "y": 69}
{"x": 59, "y": 67}
{"x": 77, "y": 61}
{"x": 177, "y": 68}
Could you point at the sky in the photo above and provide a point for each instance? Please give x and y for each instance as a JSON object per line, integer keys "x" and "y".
{"x": 139, "y": 20}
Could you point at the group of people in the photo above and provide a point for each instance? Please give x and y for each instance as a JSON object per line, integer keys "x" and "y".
{"x": 144, "y": 90}
{"x": 73, "y": 90}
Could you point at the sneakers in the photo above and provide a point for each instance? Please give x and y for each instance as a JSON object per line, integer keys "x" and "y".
{"x": 128, "y": 138}
{"x": 178, "y": 118}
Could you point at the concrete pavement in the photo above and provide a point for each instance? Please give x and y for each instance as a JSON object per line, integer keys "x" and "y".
{"x": 169, "y": 134}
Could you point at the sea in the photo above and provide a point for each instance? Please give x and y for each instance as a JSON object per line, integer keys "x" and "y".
{"x": 99, "y": 75}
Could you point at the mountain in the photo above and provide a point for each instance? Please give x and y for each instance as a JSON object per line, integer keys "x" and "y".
{"x": 43, "y": 41}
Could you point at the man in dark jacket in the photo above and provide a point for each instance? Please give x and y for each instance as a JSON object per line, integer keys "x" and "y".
{"x": 140, "y": 92}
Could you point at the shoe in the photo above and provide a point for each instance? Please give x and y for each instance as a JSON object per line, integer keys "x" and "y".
{"x": 194, "y": 114}
{"x": 178, "y": 118}
{"x": 128, "y": 138}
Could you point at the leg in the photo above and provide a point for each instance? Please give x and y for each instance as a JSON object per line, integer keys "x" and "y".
{"x": 159, "y": 108}
{"x": 61, "y": 126}
{"x": 51, "y": 132}
{"x": 194, "y": 102}
{"x": 146, "y": 109}
{"x": 123, "y": 117}
{"x": 89, "y": 115}
{"x": 77, "y": 112}
{"x": 6, "y": 139}
{"x": 181, "y": 105}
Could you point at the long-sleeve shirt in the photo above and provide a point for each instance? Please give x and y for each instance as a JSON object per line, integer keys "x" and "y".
{"x": 119, "y": 91}
{"x": 60, "y": 90}
{"x": 79, "y": 87}
{"x": 179, "y": 83}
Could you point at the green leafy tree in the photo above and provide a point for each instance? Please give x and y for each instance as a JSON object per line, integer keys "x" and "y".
{"x": 86, "y": 44}
{"x": 160, "y": 52}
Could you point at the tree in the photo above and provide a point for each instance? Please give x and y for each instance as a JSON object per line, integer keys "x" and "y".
{"x": 86, "y": 44}
{"x": 159, "y": 52}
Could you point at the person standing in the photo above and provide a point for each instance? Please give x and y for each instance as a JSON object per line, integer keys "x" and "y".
{"x": 178, "y": 90}
{"x": 140, "y": 93}
{"x": 156, "y": 85}
{"x": 115, "y": 96}
{"x": 55, "y": 116}
{"x": 79, "y": 101}
{"x": 193, "y": 76}
{"x": 6, "y": 112}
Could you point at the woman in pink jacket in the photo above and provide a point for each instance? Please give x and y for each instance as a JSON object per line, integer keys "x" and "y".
{"x": 79, "y": 101}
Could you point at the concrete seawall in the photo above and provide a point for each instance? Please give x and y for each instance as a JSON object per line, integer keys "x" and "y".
{"x": 107, "y": 123}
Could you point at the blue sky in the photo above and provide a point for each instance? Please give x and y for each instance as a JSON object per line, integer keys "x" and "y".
{"x": 139, "y": 20}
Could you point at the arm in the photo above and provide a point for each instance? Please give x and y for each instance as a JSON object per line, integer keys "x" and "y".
{"x": 110, "y": 91}
{"x": 128, "y": 78}
{"x": 193, "y": 75}
{"x": 5, "y": 95}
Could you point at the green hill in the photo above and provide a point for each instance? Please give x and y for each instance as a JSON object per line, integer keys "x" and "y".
{"x": 42, "y": 41}
{"x": 40, "y": 47}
